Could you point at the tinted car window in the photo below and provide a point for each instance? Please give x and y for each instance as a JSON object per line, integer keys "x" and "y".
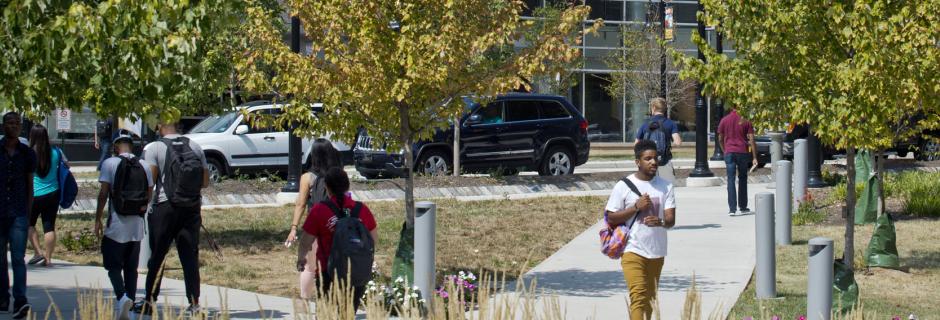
{"x": 522, "y": 110}
{"x": 491, "y": 113}
{"x": 553, "y": 110}
{"x": 257, "y": 126}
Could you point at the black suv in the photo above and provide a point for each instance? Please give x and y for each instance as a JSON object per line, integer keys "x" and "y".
{"x": 515, "y": 132}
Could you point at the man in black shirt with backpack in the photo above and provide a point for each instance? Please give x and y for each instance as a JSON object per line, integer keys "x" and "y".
{"x": 126, "y": 183}
{"x": 176, "y": 213}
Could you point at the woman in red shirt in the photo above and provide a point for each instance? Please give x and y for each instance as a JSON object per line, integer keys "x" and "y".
{"x": 321, "y": 221}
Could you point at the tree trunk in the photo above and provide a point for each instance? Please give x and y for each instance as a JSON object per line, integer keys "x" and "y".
{"x": 405, "y": 137}
{"x": 879, "y": 171}
{"x": 848, "y": 255}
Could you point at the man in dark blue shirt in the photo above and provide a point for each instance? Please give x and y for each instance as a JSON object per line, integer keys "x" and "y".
{"x": 17, "y": 164}
{"x": 665, "y": 133}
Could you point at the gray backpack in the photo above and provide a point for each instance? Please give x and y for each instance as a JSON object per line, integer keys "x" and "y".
{"x": 353, "y": 249}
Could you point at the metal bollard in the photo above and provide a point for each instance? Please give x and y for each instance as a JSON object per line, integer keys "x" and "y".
{"x": 766, "y": 271}
{"x": 819, "y": 285}
{"x": 783, "y": 203}
{"x": 776, "y": 153}
{"x": 425, "y": 216}
{"x": 800, "y": 169}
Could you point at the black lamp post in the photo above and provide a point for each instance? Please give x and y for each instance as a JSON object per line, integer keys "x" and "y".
{"x": 293, "y": 141}
{"x": 701, "y": 117}
{"x": 719, "y": 109}
{"x": 815, "y": 179}
{"x": 662, "y": 53}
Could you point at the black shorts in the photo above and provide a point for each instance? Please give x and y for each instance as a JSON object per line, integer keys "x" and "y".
{"x": 47, "y": 207}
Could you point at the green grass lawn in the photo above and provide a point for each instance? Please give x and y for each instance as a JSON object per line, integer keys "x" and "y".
{"x": 886, "y": 293}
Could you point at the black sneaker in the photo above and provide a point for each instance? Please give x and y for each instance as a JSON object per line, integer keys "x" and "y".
{"x": 143, "y": 307}
{"x": 22, "y": 311}
{"x": 745, "y": 211}
{"x": 5, "y": 306}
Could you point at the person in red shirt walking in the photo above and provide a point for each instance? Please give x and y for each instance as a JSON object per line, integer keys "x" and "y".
{"x": 736, "y": 135}
{"x": 321, "y": 223}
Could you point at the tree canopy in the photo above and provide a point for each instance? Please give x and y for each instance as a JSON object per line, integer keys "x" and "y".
{"x": 862, "y": 73}
{"x": 119, "y": 57}
{"x": 393, "y": 65}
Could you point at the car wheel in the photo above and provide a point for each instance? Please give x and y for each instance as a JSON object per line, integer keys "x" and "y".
{"x": 557, "y": 161}
{"x": 216, "y": 170}
{"x": 434, "y": 163}
{"x": 929, "y": 150}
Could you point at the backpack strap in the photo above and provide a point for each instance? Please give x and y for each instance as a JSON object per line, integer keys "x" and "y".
{"x": 333, "y": 207}
{"x": 635, "y": 190}
{"x": 355, "y": 210}
{"x": 631, "y": 186}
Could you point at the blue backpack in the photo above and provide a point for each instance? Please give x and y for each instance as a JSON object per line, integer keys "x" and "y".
{"x": 68, "y": 187}
{"x": 654, "y": 132}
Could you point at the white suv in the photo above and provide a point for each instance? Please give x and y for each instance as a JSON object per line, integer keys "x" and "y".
{"x": 232, "y": 144}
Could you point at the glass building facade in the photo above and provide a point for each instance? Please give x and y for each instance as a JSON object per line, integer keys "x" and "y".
{"x": 612, "y": 118}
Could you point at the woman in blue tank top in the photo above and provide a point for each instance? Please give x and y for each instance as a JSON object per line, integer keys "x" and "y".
{"x": 45, "y": 194}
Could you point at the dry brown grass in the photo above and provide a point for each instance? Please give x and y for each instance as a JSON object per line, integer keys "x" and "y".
{"x": 493, "y": 236}
{"x": 887, "y": 292}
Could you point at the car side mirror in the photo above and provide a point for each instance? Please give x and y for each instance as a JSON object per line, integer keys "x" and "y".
{"x": 241, "y": 129}
{"x": 474, "y": 119}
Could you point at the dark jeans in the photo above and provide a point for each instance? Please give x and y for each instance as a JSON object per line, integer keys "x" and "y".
{"x": 13, "y": 231}
{"x": 121, "y": 257}
{"x": 168, "y": 223}
{"x": 325, "y": 282}
{"x": 105, "y": 152}
{"x": 737, "y": 163}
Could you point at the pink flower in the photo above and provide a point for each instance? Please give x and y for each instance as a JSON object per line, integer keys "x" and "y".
{"x": 802, "y": 318}
{"x": 775, "y": 318}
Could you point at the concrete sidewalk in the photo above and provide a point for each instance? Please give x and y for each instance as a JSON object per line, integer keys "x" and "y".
{"x": 718, "y": 249}
{"x": 63, "y": 281}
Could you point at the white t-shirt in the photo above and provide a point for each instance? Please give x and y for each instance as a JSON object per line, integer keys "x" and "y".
{"x": 648, "y": 242}
{"x": 123, "y": 228}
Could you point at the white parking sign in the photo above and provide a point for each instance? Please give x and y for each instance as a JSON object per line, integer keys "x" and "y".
{"x": 64, "y": 119}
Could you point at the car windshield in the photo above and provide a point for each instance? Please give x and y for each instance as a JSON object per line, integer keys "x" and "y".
{"x": 215, "y": 124}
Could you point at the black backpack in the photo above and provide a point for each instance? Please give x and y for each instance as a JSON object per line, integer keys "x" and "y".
{"x": 353, "y": 249}
{"x": 129, "y": 188}
{"x": 182, "y": 173}
{"x": 654, "y": 132}
{"x": 316, "y": 192}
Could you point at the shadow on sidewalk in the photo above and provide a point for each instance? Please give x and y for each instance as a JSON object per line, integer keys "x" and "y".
{"x": 575, "y": 282}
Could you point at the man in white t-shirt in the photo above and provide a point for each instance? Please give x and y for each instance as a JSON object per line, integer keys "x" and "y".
{"x": 649, "y": 214}
{"x": 120, "y": 244}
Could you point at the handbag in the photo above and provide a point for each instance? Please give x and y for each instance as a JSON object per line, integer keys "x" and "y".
{"x": 68, "y": 187}
{"x": 614, "y": 238}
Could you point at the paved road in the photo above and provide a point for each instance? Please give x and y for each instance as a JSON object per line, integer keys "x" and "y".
{"x": 718, "y": 249}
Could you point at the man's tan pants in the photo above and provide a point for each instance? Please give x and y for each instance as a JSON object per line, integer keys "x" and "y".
{"x": 642, "y": 276}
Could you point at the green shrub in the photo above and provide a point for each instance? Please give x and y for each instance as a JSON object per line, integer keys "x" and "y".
{"x": 919, "y": 192}
{"x": 832, "y": 178}
{"x": 806, "y": 214}
{"x": 83, "y": 241}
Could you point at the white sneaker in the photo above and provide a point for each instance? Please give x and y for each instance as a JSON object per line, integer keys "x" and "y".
{"x": 732, "y": 213}
{"x": 124, "y": 308}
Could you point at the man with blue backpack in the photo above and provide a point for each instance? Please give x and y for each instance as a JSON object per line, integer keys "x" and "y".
{"x": 664, "y": 133}
{"x": 177, "y": 164}
{"x": 126, "y": 183}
